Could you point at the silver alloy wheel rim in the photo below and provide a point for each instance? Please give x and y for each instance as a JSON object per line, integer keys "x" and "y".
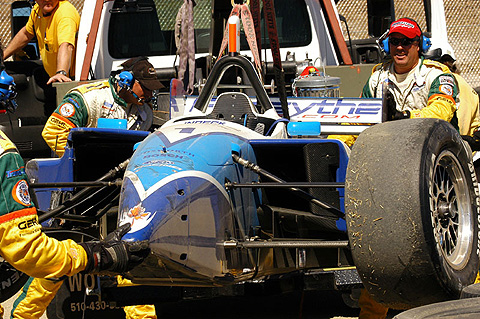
{"x": 451, "y": 210}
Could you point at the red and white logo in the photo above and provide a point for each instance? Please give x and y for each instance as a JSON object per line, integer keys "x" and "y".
{"x": 446, "y": 89}
{"x": 67, "y": 110}
{"x": 402, "y": 24}
{"x": 20, "y": 193}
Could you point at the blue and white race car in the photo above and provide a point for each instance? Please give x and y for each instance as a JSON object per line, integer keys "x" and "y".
{"x": 229, "y": 193}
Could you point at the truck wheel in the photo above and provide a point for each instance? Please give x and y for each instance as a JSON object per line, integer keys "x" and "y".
{"x": 412, "y": 203}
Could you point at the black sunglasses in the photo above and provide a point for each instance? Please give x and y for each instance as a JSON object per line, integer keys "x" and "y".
{"x": 402, "y": 41}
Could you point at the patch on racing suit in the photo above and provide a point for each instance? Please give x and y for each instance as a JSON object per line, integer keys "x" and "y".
{"x": 20, "y": 193}
{"x": 58, "y": 120}
{"x": 74, "y": 252}
{"x": 446, "y": 89}
{"x": 29, "y": 223}
{"x": 445, "y": 79}
{"x": 107, "y": 105}
{"x": 66, "y": 110}
{"x": 16, "y": 172}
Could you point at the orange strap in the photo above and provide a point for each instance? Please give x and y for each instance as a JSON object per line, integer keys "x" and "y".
{"x": 243, "y": 11}
{"x": 337, "y": 32}
{"x": 269, "y": 12}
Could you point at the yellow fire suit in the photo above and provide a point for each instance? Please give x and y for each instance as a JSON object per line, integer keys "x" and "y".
{"x": 83, "y": 105}
{"x": 468, "y": 114}
{"x": 22, "y": 243}
{"x": 428, "y": 91}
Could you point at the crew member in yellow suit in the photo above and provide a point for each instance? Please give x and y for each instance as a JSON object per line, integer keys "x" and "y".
{"x": 22, "y": 242}
{"x": 123, "y": 96}
{"x": 466, "y": 116}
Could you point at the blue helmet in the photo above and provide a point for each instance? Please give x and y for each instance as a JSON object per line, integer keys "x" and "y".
{"x": 7, "y": 87}
{"x": 7, "y": 92}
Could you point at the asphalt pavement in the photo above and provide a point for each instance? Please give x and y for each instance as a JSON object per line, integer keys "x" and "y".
{"x": 298, "y": 305}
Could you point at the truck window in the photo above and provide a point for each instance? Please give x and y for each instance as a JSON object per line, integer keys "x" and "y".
{"x": 20, "y": 11}
{"x": 147, "y": 27}
{"x": 293, "y": 25}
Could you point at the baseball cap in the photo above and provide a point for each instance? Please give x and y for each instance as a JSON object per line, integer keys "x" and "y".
{"x": 144, "y": 72}
{"x": 406, "y": 27}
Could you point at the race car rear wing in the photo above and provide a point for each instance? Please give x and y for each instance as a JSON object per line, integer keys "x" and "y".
{"x": 335, "y": 115}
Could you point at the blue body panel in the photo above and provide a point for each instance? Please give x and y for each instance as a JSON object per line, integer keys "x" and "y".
{"x": 50, "y": 170}
{"x": 54, "y": 170}
{"x": 157, "y": 158}
{"x": 174, "y": 196}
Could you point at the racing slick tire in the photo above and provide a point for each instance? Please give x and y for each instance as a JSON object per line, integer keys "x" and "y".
{"x": 411, "y": 199}
{"x": 11, "y": 280}
{"x": 472, "y": 291}
{"x": 453, "y": 309}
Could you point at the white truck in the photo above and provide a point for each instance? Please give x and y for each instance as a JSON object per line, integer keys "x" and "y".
{"x": 112, "y": 31}
{"x": 309, "y": 32}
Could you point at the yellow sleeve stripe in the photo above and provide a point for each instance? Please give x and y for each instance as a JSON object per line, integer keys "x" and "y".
{"x": 437, "y": 65}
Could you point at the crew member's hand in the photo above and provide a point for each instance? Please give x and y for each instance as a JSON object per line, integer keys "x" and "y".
{"x": 113, "y": 255}
{"x": 59, "y": 78}
{"x": 473, "y": 141}
{"x": 392, "y": 113}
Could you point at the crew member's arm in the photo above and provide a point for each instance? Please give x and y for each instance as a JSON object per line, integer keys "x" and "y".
{"x": 69, "y": 114}
{"x": 64, "y": 60}
{"x": 468, "y": 114}
{"x": 441, "y": 101}
{"x": 66, "y": 34}
{"x": 19, "y": 41}
{"x": 28, "y": 249}
{"x": 468, "y": 109}
{"x": 22, "y": 242}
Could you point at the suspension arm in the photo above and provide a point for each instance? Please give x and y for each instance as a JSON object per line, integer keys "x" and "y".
{"x": 301, "y": 193}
